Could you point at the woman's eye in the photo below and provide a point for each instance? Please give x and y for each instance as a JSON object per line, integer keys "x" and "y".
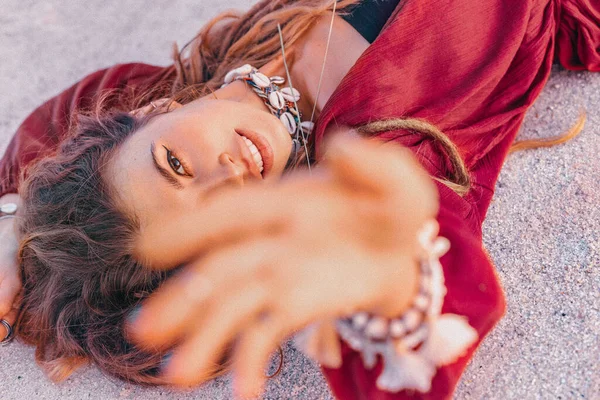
{"x": 175, "y": 163}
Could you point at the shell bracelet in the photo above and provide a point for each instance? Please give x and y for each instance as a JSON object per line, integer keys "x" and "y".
{"x": 279, "y": 101}
{"x": 411, "y": 346}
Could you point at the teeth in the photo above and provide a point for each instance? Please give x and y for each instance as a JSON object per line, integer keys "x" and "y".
{"x": 255, "y": 153}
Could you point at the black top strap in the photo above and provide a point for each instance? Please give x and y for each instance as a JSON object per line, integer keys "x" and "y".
{"x": 369, "y": 16}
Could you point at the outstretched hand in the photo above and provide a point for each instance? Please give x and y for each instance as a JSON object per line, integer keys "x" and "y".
{"x": 265, "y": 261}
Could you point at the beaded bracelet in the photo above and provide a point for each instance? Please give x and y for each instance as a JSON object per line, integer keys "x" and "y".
{"x": 411, "y": 346}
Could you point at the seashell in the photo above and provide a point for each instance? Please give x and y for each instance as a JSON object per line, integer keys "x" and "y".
{"x": 290, "y": 94}
{"x": 407, "y": 371}
{"x": 359, "y": 320}
{"x": 278, "y": 80}
{"x": 276, "y": 100}
{"x": 296, "y": 146}
{"x": 245, "y": 69}
{"x": 441, "y": 245}
{"x": 411, "y": 319}
{"x": 397, "y": 328}
{"x": 260, "y": 79}
{"x": 307, "y": 126}
{"x": 421, "y": 302}
{"x": 229, "y": 77}
{"x": 449, "y": 337}
{"x": 415, "y": 338}
{"x": 8, "y": 208}
{"x": 377, "y": 328}
{"x": 288, "y": 120}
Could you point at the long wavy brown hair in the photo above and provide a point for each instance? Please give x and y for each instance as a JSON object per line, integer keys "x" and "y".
{"x": 80, "y": 280}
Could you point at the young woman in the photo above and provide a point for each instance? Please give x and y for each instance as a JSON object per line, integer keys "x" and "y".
{"x": 151, "y": 187}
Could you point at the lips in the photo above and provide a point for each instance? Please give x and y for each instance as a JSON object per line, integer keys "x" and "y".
{"x": 263, "y": 146}
{"x": 255, "y": 153}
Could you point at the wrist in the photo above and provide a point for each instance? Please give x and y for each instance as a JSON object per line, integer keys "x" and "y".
{"x": 9, "y": 205}
{"x": 402, "y": 286}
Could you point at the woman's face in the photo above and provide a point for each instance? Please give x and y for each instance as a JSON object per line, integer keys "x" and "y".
{"x": 179, "y": 158}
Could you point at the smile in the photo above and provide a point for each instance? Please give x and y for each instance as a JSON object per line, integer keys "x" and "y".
{"x": 255, "y": 153}
{"x": 260, "y": 148}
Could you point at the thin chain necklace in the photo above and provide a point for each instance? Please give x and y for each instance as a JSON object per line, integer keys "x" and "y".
{"x": 283, "y": 103}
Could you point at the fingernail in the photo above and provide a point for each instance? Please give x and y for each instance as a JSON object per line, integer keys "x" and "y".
{"x": 164, "y": 362}
{"x": 134, "y": 314}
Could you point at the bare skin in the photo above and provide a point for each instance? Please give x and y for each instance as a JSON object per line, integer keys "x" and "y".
{"x": 135, "y": 163}
{"x": 265, "y": 261}
{"x": 205, "y": 135}
{"x": 297, "y": 251}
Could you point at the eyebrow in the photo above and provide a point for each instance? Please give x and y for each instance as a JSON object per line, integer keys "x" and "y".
{"x": 165, "y": 174}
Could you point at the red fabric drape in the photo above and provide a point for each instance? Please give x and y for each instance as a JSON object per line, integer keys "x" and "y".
{"x": 470, "y": 67}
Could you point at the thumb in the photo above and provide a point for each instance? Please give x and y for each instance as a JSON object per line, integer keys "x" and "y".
{"x": 385, "y": 170}
{"x": 370, "y": 164}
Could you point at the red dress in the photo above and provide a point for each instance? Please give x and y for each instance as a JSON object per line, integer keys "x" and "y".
{"x": 472, "y": 68}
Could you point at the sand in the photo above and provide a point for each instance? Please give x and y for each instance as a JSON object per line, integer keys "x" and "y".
{"x": 542, "y": 230}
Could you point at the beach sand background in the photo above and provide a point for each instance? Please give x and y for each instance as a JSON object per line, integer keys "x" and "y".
{"x": 542, "y": 230}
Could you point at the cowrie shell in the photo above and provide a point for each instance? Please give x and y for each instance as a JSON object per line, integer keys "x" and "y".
{"x": 290, "y": 94}
{"x": 278, "y": 80}
{"x": 229, "y": 77}
{"x": 411, "y": 319}
{"x": 421, "y": 302}
{"x": 415, "y": 338}
{"x": 276, "y": 100}
{"x": 8, "y": 208}
{"x": 359, "y": 320}
{"x": 377, "y": 328}
{"x": 245, "y": 69}
{"x": 397, "y": 328}
{"x": 296, "y": 146}
{"x": 288, "y": 120}
{"x": 261, "y": 80}
{"x": 307, "y": 126}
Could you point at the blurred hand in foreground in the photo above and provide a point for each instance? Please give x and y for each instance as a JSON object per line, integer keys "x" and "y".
{"x": 263, "y": 262}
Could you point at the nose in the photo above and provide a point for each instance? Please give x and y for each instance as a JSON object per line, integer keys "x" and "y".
{"x": 234, "y": 173}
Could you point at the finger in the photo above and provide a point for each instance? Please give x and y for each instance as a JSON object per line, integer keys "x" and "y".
{"x": 369, "y": 163}
{"x": 166, "y": 315}
{"x": 193, "y": 361}
{"x": 388, "y": 170}
{"x": 9, "y": 290}
{"x": 252, "y": 354}
{"x": 11, "y": 318}
{"x": 231, "y": 216}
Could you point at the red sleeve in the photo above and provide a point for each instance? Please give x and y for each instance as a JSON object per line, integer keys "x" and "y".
{"x": 471, "y": 68}
{"x": 578, "y": 35}
{"x": 40, "y": 134}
